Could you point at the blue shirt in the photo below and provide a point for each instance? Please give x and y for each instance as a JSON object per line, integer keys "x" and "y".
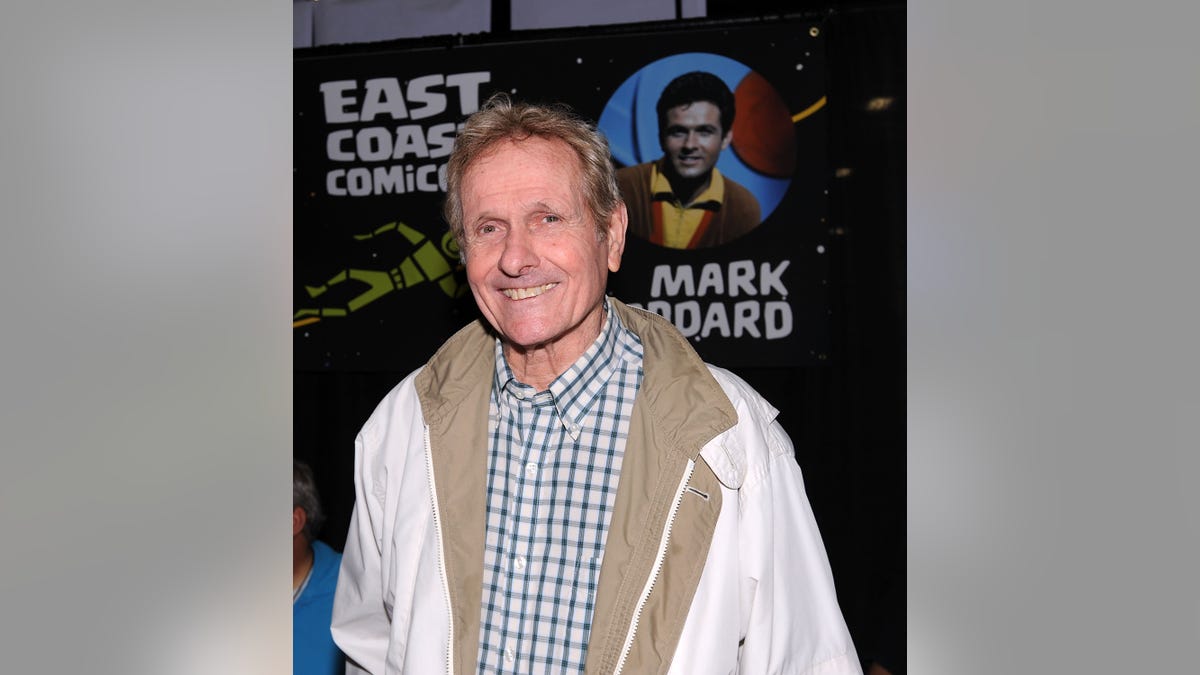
{"x": 313, "y": 650}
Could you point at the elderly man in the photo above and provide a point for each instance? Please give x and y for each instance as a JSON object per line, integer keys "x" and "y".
{"x": 568, "y": 488}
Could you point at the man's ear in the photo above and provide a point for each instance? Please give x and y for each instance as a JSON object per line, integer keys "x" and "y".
{"x": 299, "y": 519}
{"x": 727, "y": 140}
{"x": 618, "y": 223}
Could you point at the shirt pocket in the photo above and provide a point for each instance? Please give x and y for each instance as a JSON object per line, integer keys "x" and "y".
{"x": 587, "y": 575}
{"x": 576, "y": 631}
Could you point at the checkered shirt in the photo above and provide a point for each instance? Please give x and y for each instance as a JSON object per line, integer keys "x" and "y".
{"x": 554, "y": 460}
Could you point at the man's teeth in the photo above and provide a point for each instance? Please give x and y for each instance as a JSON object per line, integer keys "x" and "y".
{"x": 522, "y": 293}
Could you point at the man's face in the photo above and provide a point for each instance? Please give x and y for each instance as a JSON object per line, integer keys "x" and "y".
{"x": 534, "y": 260}
{"x": 693, "y": 138}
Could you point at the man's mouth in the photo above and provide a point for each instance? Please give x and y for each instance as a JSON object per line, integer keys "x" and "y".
{"x": 523, "y": 293}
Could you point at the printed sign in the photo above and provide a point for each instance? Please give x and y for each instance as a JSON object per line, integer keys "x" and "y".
{"x": 727, "y": 197}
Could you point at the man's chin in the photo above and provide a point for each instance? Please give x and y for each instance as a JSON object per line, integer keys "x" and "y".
{"x": 691, "y": 170}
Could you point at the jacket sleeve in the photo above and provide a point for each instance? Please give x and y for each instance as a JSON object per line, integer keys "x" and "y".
{"x": 361, "y": 621}
{"x": 790, "y": 615}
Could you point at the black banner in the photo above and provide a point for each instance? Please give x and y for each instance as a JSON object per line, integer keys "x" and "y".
{"x": 378, "y": 285}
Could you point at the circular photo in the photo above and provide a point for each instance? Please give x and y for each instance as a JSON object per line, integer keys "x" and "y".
{"x": 705, "y": 149}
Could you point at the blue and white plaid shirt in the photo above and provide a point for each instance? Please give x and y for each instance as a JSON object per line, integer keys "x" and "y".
{"x": 554, "y": 460}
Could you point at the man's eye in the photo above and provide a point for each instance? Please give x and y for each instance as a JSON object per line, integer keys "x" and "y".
{"x": 487, "y": 229}
{"x": 551, "y": 219}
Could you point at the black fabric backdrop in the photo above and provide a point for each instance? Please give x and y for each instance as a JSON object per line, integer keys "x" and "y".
{"x": 839, "y": 382}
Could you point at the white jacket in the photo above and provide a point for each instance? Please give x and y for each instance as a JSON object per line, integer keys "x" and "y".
{"x": 713, "y": 562}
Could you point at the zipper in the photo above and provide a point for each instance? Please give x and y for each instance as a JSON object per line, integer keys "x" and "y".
{"x": 437, "y": 528}
{"x": 657, "y": 568}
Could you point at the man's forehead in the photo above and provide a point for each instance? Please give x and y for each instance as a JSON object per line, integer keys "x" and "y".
{"x": 528, "y": 144}
{"x": 707, "y": 111}
{"x": 561, "y": 203}
{"x": 545, "y": 150}
{"x": 550, "y": 182}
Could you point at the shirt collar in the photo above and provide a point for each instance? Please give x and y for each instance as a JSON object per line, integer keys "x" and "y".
{"x": 712, "y": 197}
{"x": 573, "y": 392}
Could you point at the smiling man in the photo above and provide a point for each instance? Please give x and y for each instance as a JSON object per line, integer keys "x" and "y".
{"x": 565, "y": 487}
{"x": 682, "y": 200}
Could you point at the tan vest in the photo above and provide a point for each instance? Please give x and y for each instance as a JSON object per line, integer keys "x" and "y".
{"x": 679, "y": 408}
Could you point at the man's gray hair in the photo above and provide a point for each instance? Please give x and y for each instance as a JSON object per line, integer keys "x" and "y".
{"x": 501, "y": 119}
{"x": 304, "y": 495}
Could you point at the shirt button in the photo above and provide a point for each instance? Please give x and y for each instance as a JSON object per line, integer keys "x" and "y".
{"x": 519, "y": 563}
{"x": 510, "y": 655}
{"x": 531, "y": 469}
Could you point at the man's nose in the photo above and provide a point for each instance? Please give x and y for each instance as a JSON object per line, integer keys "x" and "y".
{"x": 519, "y": 254}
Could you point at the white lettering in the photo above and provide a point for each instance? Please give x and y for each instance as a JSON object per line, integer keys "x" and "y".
{"x": 358, "y": 182}
{"x": 770, "y": 278}
{"x": 410, "y": 141}
{"x": 423, "y": 182}
{"x": 332, "y": 183}
{"x": 715, "y": 319}
{"x": 333, "y": 145}
{"x": 752, "y": 318}
{"x": 389, "y": 179}
{"x": 336, "y": 103}
{"x": 710, "y": 277}
{"x": 373, "y": 144}
{"x": 383, "y": 96}
{"x": 741, "y": 278}
{"x": 418, "y": 91}
{"x": 468, "y": 95}
{"x": 441, "y": 139}
{"x": 779, "y": 320}
{"x": 749, "y": 318}
{"x": 681, "y": 282}
{"x": 738, "y": 278}
{"x": 392, "y": 179}
{"x": 745, "y": 316}
{"x": 687, "y": 317}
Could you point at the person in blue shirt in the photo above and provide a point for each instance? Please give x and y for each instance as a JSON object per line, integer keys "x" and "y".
{"x": 314, "y": 578}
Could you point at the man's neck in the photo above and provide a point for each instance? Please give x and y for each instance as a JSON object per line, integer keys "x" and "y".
{"x": 686, "y": 190}
{"x": 540, "y": 365}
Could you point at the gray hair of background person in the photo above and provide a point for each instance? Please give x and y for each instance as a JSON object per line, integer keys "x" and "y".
{"x": 692, "y": 87}
{"x": 501, "y": 119}
{"x": 304, "y": 495}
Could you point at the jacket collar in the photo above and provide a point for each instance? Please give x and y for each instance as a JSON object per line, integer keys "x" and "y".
{"x": 678, "y": 390}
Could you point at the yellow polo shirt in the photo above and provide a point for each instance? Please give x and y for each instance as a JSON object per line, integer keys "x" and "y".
{"x": 681, "y": 222}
